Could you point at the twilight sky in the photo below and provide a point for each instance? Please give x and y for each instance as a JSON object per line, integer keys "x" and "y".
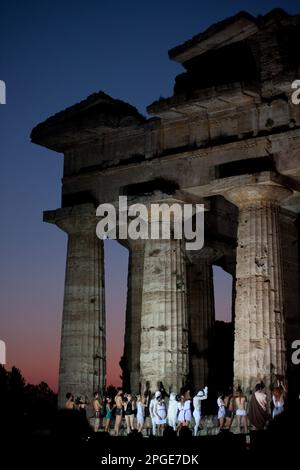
{"x": 52, "y": 55}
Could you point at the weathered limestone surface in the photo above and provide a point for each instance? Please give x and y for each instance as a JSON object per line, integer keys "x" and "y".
{"x": 259, "y": 350}
{"x": 82, "y": 357}
{"x": 164, "y": 325}
{"x": 201, "y": 310}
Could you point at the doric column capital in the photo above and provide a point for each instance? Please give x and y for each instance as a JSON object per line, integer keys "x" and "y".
{"x": 253, "y": 194}
{"x": 72, "y": 220}
{"x": 251, "y": 189}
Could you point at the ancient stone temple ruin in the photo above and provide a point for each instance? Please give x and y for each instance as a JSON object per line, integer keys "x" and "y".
{"x": 228, "y": 138}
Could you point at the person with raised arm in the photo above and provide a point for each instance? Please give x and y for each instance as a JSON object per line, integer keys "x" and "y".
{"x": 201, "y": 395}
{"x": 278, "y": 399}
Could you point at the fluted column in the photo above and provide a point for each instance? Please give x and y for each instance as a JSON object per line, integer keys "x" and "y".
{"x": 132, "y": 343}
{"x": 164, "y": 323}
{"x": 259, "y": 348}
{"x": 201, "y": 310}
{"x": 82, "y": 355}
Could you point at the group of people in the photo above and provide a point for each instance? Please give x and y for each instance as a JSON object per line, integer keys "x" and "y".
{"x": 135, "y": 409}
{"x": 254, "y": 413}
{"x": 178, "y": 411}
{"x": 233, "y": 403}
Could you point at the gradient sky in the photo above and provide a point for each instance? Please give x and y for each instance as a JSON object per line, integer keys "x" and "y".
{"x": 52, "y": 55}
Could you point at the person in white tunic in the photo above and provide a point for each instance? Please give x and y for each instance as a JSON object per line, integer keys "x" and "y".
{"x": 201, "y": 395}
{"x": 185, "y": 414}
{"x": 140, "y": 407}
{"x": 221, "y": 410}
{"x": 172, "y": 411}
{"x": 151, "y": 411}
{"x": 160, "y": 413}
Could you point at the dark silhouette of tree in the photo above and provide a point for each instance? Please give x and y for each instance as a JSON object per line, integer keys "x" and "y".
{"x": 111, "y": 391}
{"x": 125, "y": 376}
{"x": 26, "y": 405}
{"x": 3, "y": 381}
{"x": 15, "y": 395}
{"x": 3, "y": 394}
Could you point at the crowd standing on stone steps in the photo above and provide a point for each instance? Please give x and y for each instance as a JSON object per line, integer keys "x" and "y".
{"x": 182, "y": 411}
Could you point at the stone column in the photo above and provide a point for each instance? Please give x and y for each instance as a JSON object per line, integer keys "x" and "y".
{"x": 201, "y": 310}
{"x": 164, "y": 323}
{"x": 259, "y": 350}
{"x": 289, "y": 230}
{"x": 132, "y": 342}
{"x": 82, "y": 355}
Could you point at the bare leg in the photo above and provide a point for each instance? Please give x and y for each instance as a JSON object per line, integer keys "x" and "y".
{"x": 239, "y": 420}
{"x": 227, "y": 423}
{"x": 245, "y": 424}
{"x": 118, "y": 424}
{"x": 140, "y": 426}
{"x": 132, "y": 422}
{"x": 153, "y": 426}
{"x": 96, "y": 424}
{"x": 107, "y": 424}
{"x": 197, "y": 423}
{"x": 127, "y": 419}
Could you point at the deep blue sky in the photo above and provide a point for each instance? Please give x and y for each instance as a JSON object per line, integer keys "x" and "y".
{"x": 52, "y": 55}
